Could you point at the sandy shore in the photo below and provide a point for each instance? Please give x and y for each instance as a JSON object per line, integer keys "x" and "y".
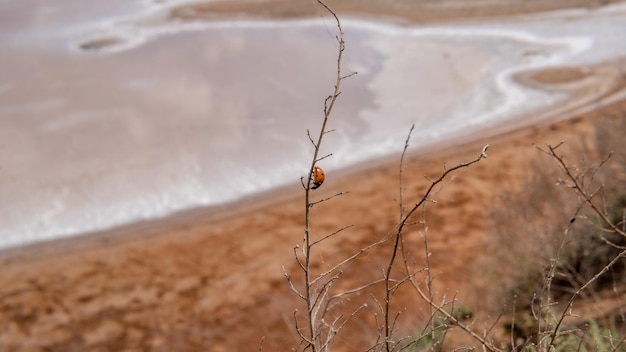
{"x": 414, "y": 11}
{"x": 212, "y": 279}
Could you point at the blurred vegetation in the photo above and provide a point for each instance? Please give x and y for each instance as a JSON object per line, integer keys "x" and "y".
{"x": 531, "y": 222}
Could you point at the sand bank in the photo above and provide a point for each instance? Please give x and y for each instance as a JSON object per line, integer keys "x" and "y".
{"x": 415, "y": 11}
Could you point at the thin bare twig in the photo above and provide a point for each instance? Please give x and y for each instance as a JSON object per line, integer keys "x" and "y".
{"x": 330, "y": 235}
{"x": 404, "y": 220}
{"x": 400, "y": 178}
{"x": 482, "y": 339}
{"x": 328, "y": 198}
{"x": 291, "y": 285}
{"x": 578, "y": 187}
{"x": 315, "y": 292}
{"x": 348, "y": 260}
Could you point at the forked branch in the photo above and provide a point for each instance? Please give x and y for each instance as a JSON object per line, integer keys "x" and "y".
{"x": 404, "y": 220}
{"x": 320, "y": 333}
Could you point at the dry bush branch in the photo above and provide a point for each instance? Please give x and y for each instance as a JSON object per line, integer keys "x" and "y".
{"x": 583, "y": 181}
{"x": 312, "y": 295}
{"x": 577, "y": 182}
{"x": 347, "y": 260}
{"x": 329, "y": 198}
{"x": 321, "y": 328}
{"x": 331, "y": 235}
{"x": 404, "y": 220}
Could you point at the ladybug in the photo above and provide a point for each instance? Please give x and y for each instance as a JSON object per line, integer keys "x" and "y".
{"x": 317, "y": 177}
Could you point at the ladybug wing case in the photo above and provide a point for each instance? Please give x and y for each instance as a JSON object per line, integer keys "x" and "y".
{"x": 317, "y": 177}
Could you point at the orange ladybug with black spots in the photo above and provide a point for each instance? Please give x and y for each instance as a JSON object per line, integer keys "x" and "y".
{"x": 317, "y": 177}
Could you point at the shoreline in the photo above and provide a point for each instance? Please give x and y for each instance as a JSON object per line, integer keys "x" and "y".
{"x": 407, "y": 10}
{"x": 145, "y": 229}
{"x": 148, "y": 228}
